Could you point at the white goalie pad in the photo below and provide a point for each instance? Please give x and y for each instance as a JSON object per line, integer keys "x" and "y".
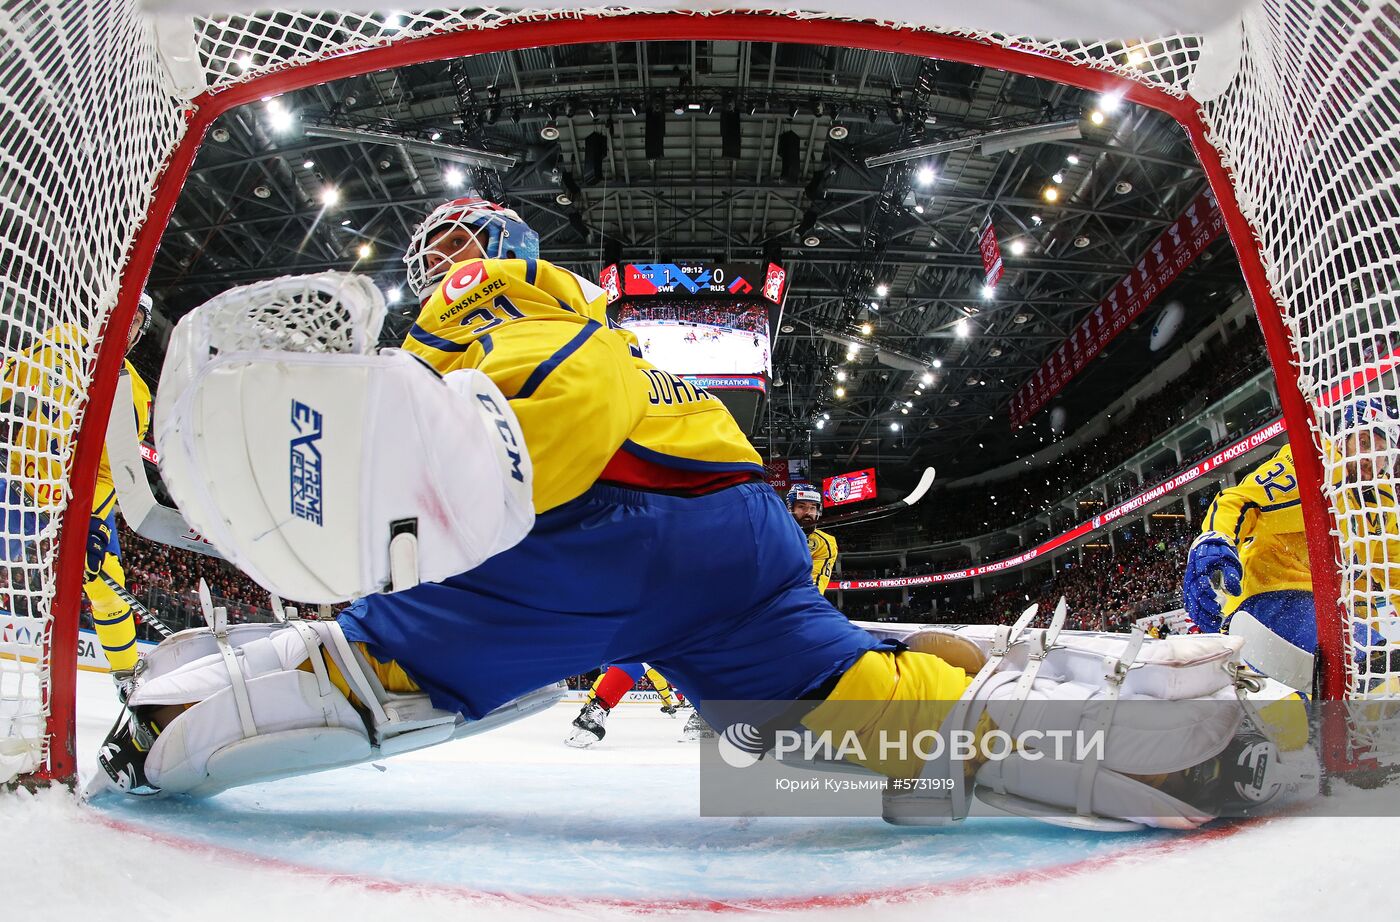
{"x": 1071, "y": 686}
{"x": 258, "y": 715}
{"x": 325, "y": 473}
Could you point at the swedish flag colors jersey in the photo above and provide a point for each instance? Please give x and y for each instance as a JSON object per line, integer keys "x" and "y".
{"x": 578, "y": 385}
{"x": 43, "y": 385}
{"x": 1263, "y": 516}
{"x": 823, "y": 549}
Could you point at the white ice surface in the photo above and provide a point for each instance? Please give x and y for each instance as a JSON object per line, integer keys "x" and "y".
{"x": 513, "y": 825}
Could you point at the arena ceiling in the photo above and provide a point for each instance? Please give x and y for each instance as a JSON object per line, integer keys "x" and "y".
{"x": 255, "y": 207}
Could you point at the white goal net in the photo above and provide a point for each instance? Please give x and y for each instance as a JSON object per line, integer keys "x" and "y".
{"x": 1292, "y": 106}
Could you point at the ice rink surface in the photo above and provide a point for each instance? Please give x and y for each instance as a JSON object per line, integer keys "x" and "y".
{"x": 514, "y": 825}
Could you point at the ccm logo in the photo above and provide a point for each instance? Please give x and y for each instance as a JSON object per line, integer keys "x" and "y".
{"x": 507, "y": 434}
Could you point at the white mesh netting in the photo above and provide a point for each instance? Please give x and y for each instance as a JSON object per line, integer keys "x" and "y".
{"x": 1306, "y": 121}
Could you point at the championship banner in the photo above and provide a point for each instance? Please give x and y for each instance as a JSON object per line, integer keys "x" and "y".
{"x": 1097, "y": 523}
{"x": 1178, "y": 246}
{"x": 991, "y": 254}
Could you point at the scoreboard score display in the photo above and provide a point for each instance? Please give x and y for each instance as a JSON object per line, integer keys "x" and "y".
{"x": 709, "y": 323}
{"x": 695, "y": 280}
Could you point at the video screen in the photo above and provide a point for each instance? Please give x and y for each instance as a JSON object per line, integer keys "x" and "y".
{"x": 851, "y": 487}
{"x": 701, "y": 337}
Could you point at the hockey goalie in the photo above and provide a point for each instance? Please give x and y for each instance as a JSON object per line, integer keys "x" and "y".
{"x": 514, "y": 495}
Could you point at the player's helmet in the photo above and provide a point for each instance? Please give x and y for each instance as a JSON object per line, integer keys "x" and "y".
{"x": 1372, "y": 413}
{"x": 146, "y": 307}
{"x": 804, "y": 493}
{"x": 502, "y": 232}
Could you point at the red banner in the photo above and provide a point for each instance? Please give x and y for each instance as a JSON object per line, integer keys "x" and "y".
{"x": 1097, "y": 523}
{"x": 1183, "y": 240}
{"x": 991, "y": 254}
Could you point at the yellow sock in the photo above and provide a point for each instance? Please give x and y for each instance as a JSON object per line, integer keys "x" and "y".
{"x": 390, "y": 674}
{"x": 901, "y": 694}
{"x": 663, "y": 688}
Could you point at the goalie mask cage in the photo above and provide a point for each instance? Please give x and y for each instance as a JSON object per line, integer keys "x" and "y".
{"x": 1292, "y": 109}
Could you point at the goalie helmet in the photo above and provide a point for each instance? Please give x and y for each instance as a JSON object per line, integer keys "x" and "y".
{"x": 804, "y": 493}
{"x": 500, "y": 230}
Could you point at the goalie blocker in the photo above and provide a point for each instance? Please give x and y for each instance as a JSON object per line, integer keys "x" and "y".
{"x": 353, "y": 473}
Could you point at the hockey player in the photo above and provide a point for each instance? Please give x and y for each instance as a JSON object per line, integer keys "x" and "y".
{"x": 611, "y": 686}
{"x": 651, "y": 537}
{"x": 1250, "y": 562}
{"x": 804, "y": 501}
{"x": 39, "y": 386}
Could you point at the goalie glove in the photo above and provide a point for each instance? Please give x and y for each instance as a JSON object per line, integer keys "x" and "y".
{"x": 98, "y": 540}
{"x": 1211, "y": 553}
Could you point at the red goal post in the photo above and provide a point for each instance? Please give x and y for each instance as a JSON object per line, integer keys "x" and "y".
{"x": 1292, "y": 109}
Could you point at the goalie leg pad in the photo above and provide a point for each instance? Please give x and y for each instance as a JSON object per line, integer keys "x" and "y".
{"x": 257, "y": 714}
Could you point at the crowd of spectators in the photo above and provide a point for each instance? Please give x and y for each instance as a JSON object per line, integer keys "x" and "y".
{"x": 736, "y": 315}
{"x": 1108, "y": 589}
{"x": 984, "y": 508}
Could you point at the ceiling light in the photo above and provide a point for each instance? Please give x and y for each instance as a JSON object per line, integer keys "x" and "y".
{"x": 894, "y": 426}
{"x": 841, "y": 375}
{"x": 345, "y": 223}
{"x": 881, "y": 290}
{"x": 866, "y": 329}
{"x": 395, "y": 294}
{"x": 1058, "y": 178}
{"x": 1123, "y": 187}
{"x": 330, "y": 196}
{"x": 1096, "y": 117}
{"x": 908, "y": 403}
{"x": 1036, "y": 219}
{"x": 811, "y": 240}
{"x": 452, "y": 177}
{"x": 961, "y": 329}
{"x": 278, "y": 117}
{"x": 1021, "y": 318}
{"x": 840, "y": 392}
{"x": 1018, "y": 247}
{"x": 988, "y": 292}
{"x": 1081, "y": 241}
{"x": 1072, "y": 160}
{"x": 550, "y": 131}
{"x": 837, "y": 132}
{"x": 309, "y": 164}
{"x": 925, "y": 176}
{"x": 937, "y": 363}
{"x": 436, "y": 136}
{"x": 826, "y": 416}
{"x": 365, "y": 251}
{"x": 927, "y": 378}
{"x": 821, "y": 424}
{"x": 1051, "y": 194}
{"x": 1109, "y": 102}
{"x": 904, "y": 411}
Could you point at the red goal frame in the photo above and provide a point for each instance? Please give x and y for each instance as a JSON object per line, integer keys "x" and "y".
{"x": 61, "y": 643}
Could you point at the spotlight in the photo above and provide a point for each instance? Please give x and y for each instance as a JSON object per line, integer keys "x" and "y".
{"x": 866, "y": 329}
{"x": 550, "y": 131}
{"x": 1051, "y": 194}
{"x": 925, "y": 176}
{"x": 395, "y": 295}
{"x": 309, "y": 164}
{"x": 840, "y": 392}
{"x": 364, "y": 251}
{"x": 988, "y": 292}
{"x": 837, "y": 132}
{"x": 1096, "y": 117}
{"x": 811, "y": 240}
{"x": 452, "y": 177}
{"x": 330, "y": 196}
{"x": 926, "y": 378}
{"x": 435, "y": 136}
{"x": 841, "y": 374}
{"x": 1018, "y": 247}
{"x": 882, "y": 289}
{"x": 961, "y": 329}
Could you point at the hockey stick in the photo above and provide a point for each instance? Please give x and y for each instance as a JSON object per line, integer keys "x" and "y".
{"x": 870, "y": 515}
{"x": 147, "y": 517}
{"x": 136, "y": 606}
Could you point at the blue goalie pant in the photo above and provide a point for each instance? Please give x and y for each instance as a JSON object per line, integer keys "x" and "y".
{"x": 714, "y": 591}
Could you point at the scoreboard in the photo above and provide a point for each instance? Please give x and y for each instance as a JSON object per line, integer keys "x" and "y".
{"x": 709, "y": 323}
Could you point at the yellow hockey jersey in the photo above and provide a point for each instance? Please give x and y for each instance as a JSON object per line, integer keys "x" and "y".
{"x": 577, "y": 383}
{"x": 39, "y": 389}
{"x": 1263, "y": 516}
{"x": 823, "y": 548}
